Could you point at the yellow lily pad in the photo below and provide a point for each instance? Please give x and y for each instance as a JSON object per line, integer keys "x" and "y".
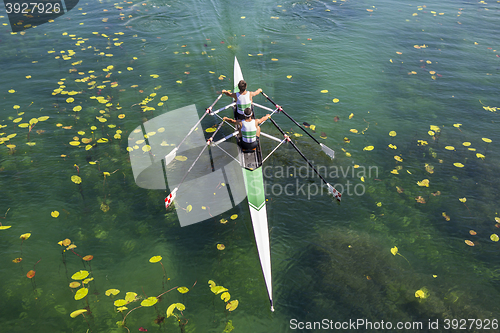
{"x": 218, "y": 289}
{"x": 419, "y": 294}
{"x": 231, "y": 306}
{"x": 25, "y": 236}
{"x": 120, "y": 302}
{"x": 81, "y": 293}
{"x": 155, "y": 259}
{"x": 75, "y": 284}
{"x": 76, "y": 313}
{"x": 130, "y": 296}
{"x": 435, "y": 128}
{"x": 150, "y": 301}
{"x": 87, "y": 280}
{"x": 183, "y": 290}
{"x": 76, "y": 179}
{"x": 424, "y": 182}
{"x": 80, "y": 275}
{"x": 225, "y": 296}
{"x": 172, "y": 307}
{"x": 113, "y": 292}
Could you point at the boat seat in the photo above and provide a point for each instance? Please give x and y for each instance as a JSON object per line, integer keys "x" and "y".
{"x": 245, "y": 150}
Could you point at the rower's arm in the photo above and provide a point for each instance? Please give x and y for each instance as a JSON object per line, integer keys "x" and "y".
{"x": 227, "y": 93}
{"x": 263, "y": 119}
{"x": 256, "y": 92}
{"x": 230, "y": 120}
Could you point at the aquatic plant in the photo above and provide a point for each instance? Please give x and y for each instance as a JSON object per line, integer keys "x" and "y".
{"x": 395, "y": 251}
{"x": 76, "y": 313}
{"x": 231, "y": 305}
{"x": 156, "y": 259}
{"x": 31, "y": 275}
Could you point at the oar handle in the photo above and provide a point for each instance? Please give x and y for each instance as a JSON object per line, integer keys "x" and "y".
{"x": 286, "y": 114}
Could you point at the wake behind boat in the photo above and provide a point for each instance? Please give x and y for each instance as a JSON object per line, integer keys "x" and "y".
{"x": 251, "y": 162}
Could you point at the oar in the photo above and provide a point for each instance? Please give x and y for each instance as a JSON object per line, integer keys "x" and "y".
{"x": 331, "y": 189}
{"x": 330, "y": 152}
{"x": 170, "y": 156}
{"x": 170, "y": 198}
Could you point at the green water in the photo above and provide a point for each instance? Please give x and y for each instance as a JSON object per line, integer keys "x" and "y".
{"x": 329, "y": 261}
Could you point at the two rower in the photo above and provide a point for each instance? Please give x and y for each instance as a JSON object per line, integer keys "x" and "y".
{"x": 248, "y": 126}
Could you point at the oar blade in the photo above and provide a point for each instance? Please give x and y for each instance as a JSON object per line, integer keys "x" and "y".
{"x": 170, "y": 156}
{"x": 334, "y": 192}
{"x": 170, "y": 198}
{"x": 329, "y": 151}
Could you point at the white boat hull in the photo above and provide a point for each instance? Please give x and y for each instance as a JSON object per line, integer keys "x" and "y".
{"x": 254, "y": 184}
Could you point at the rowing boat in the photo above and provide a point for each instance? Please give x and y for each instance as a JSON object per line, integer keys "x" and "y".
{"x": 251, "y": 163}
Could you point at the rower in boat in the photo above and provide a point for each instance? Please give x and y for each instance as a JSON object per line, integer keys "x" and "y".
{"x": 243, "y": 99}
{"x": 249, "y": 129}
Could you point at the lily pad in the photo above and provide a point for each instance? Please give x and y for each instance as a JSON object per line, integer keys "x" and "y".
{"x": 80, "y": 275}
{"x": 81, "y": 293}
{"x": 113, "y": 292}
{"x": 150, "y": 301}
{"x": 76, "y": 313}
{"x": 155, "y": 259}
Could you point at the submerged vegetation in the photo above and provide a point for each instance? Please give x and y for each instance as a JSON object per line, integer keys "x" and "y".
{"x": 353, "y": 263}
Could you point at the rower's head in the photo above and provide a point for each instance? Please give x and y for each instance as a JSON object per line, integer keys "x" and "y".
{"x": 248, "y": 113}
{"x": 242, "y": 85}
